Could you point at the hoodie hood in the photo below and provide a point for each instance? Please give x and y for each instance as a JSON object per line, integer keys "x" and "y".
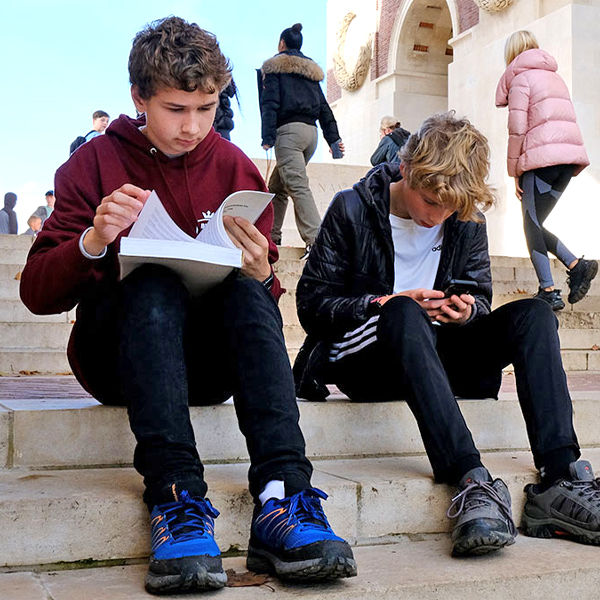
{"x": 399, "y": 136}
{"x": 293, "y": 62}
{"x": 526, "y": 61}
{"x": 10, "y": 199}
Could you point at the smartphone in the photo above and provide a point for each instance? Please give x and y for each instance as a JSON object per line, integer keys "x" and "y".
{"x": 335, "y": 149}
{"x": 456, "y": 287}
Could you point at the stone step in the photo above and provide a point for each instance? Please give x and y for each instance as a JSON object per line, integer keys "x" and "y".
{"x": 579, "y": 339}
{"x": 9, "y": 289}
{"x": 33, "y": 361}
{"x": 522, "y": 262}
{"x": 82, "y": 433}
{"x": 75, "y": 515}
{"x": 588, "y": 304}
{"x": 14, "y": 311}
{"x": 14, "y": 256}
{"x": 35, "y": 335}
{"x": 9, "y": 272}
{"x": 581, "y": 360}
{"x": 412, "y": 570}
{"x": 530, "y": 288}
{"x": 12, "y": 242}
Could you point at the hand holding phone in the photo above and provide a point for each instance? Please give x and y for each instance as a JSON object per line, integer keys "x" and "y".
{"x": 456, "y": 287}
{"x": 336, "y": 151}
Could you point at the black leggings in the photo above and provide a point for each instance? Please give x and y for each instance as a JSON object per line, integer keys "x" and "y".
{"x": 542, "y": 189}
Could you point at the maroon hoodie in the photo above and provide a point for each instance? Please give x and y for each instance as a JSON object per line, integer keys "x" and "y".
{"x": 57, "y": 276}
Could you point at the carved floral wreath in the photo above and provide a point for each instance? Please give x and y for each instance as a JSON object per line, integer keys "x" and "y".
{"x": 493, "y": 5}
{"x": 350, "y": 81}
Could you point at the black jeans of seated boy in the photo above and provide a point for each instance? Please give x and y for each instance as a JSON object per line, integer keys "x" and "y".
{"x": 146, "y": 345}
{"x": 427, "y": 365}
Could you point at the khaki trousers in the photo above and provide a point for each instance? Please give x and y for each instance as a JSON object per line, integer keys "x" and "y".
{"x": 294, "y": 146}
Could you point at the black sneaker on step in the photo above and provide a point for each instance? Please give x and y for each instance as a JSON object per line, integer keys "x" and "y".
{"x": 552, "y": 298}
{"x": 569, "y": 509}
{"x": 580, "y": 279}
{"x": 484, "y": 519}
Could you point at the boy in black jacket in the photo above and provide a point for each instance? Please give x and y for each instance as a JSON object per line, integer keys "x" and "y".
{"x": 381, "y": 327}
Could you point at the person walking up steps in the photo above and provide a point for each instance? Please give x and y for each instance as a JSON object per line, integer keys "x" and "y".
{"x": 545, "y": 149}
{"x": 291, "y": 102}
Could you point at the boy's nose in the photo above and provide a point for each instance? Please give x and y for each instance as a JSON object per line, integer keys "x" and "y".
{"x": 190, "y": 125}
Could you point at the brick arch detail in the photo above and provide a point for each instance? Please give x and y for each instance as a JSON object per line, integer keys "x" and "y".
{"x": 465, "y": 14}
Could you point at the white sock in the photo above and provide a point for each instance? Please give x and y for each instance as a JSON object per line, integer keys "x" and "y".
{"x": 273, "y": 489}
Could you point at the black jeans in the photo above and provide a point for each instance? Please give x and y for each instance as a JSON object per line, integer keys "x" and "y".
{"x": 427, "y": 365}
{"x": 146, "y": 345}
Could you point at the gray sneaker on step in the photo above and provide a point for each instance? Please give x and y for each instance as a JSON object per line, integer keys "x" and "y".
{"x": 569, "y": 509}
{"x": 484, "y": 519}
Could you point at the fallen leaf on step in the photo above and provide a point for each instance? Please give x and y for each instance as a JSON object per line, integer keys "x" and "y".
{"x": 520, "y": 291}
{"x": 595, "y": 347}
{"x": 245, "y": 579}
{"x": 18, "y": 276}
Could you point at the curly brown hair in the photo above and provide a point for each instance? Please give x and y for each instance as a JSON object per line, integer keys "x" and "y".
{"x": 451, "y": 158}
{"x": 173, "y": 53}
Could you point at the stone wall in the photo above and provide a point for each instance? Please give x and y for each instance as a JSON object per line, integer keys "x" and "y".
{"x": 413, "y": 81}
{"x": 326, "y": 180}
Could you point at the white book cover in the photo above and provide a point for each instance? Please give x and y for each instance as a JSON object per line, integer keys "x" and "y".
{"x": 201, "y": 262}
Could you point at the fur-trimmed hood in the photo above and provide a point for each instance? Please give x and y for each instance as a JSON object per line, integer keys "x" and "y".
{"x": 293, "y": 62}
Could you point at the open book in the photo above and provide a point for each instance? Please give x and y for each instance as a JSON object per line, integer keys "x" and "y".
{"x": 201, "y": 262}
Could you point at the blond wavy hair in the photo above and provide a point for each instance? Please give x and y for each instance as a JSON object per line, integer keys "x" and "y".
{"x": 518, "y": 42}
{"x": 451, "y": 158}
{"x": 389, "y": 122}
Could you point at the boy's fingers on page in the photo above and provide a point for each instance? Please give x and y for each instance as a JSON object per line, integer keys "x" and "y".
{"x": 133, "y": 190}
{"x": 234, "y": 231}
{"x": 127, "y": 213}
{"x": 252, "y": 232}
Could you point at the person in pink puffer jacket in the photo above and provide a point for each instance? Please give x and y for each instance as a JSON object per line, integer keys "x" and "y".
{"x": 545, "y": 149}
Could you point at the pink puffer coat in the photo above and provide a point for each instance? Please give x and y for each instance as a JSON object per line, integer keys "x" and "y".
{"x": 542, "y": 126}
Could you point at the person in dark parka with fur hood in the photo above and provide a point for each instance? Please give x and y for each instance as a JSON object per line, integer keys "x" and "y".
{"x": 291, "y": 102}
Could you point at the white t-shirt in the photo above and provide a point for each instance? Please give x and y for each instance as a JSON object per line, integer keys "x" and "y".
{"x": 417, "y": 252}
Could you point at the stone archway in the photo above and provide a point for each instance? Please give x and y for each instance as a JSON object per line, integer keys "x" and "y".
{"x": 420, "y": 55}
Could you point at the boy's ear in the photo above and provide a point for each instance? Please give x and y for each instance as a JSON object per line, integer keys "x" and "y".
{"x": 402, "y": 169}
{"x": 138, "y": 101}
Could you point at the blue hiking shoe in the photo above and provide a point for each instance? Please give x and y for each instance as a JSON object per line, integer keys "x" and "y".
{"x": 292, "y": 539}
{"x": 185, "y": 556}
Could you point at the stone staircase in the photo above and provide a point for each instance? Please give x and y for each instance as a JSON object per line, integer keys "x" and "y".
{"x": 69, "y": 498}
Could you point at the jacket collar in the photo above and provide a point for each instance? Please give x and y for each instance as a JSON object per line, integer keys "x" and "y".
{"x": 293, "y": 62}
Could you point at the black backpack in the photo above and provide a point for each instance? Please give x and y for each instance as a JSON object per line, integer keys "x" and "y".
{"x": 78, "y": 141}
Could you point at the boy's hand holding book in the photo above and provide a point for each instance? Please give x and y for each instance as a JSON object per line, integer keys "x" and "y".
{"x": 228, "y": 241}
{"x": 253, "y": 244}
{"x": 115, "y": 213}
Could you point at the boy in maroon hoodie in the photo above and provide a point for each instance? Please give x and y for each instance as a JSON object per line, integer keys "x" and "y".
{"x": 144, "y": 343}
